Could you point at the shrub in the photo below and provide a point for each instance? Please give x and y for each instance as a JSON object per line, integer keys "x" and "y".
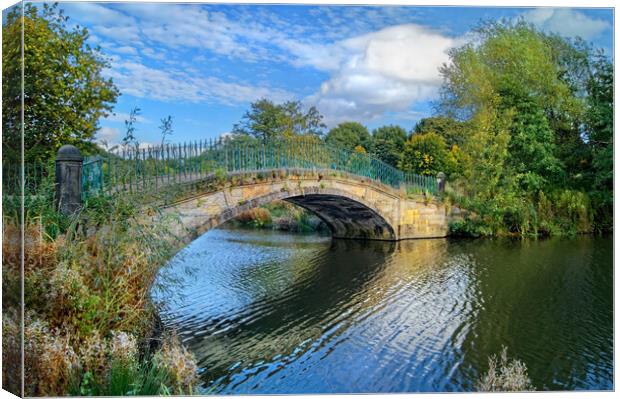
{"x": 49, "y": 359}
{"x": 179, "y": 364}
{"x": 88, "y": 300}
{"x": 505, "y": 375}
{"x": 256, "y": 217}
{"x": 469, "y": 227}
{"x": 11, "y": 350}
{"x": 111, "y": 367}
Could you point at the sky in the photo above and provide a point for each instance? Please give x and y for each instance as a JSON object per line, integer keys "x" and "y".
{"x": 204, "y": 64}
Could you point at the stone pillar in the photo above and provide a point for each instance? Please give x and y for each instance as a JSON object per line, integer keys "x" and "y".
{"x": 441, "y": 182}
{"x": 68, "y": 179}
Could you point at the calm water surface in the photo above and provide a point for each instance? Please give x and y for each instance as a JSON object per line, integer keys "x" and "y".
{"x": 267, "y": 312}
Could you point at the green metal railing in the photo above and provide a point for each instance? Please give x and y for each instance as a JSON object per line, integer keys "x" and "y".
{"x": 144, "y": 169}
{"x": 92, "y": 176}
{"x": 148, "y": 169}
{"x": 34, "y": 174}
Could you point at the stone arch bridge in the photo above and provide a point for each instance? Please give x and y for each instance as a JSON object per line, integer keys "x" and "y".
{"x": 352, "y": 206}
{"x": 357, "y": 196}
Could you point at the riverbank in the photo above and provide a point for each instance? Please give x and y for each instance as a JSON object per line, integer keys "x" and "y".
{"x": 281, "y": 216}
{"x": 89, "y": 326}
{"x": 564, "y": 217}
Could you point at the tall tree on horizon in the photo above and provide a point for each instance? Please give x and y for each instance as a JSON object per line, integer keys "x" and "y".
{"x": 267, "y": 121}
{"x": 349, "y": 135}
{"x": 388, "y": 143}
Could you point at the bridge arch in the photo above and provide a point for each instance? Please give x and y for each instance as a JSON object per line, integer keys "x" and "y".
{"x": 352, "y": 206}
{"x": 345, "y": 213}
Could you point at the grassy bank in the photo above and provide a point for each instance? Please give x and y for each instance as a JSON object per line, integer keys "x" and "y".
{"x": 89, "y": 321}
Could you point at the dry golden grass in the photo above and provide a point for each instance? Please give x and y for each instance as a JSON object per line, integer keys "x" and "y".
{"x": 179, "y": 364}
{"x": 88, "y": 302}
{"x": 257, "y": 216}
{"x": 49, "y": 358}
{"x": 11, "y": 351}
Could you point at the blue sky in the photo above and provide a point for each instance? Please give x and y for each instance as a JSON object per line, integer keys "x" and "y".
{"x": 205, "y": 63}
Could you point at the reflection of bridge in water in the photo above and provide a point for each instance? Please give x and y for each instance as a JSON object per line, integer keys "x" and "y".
{"x": 356, "y": 195}
{"x": 274, "y": 311}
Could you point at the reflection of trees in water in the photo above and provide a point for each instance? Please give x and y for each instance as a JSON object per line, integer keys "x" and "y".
{"x": 434, "y": 309}
{"x": 549, "y": 302}
{"x": 263, "y": 280}
{"x": 307, "y": 296}
{"x": 307, "y": 291}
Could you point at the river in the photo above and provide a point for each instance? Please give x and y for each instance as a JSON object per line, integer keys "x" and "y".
{"x": 268, "y": 312}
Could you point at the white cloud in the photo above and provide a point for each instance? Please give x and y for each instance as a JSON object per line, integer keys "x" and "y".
{"x": 395, "y": 65}
{"x": 566, "y": 22}
{"x": 105, "y": 21}
{"x": 160, "y": 32}
{"x": 147, "y": 144}
{"x": 248, "y": 36}
{"x": 387, "y": 70}
{"x": 126, "y": 50}
{"x": 136, "y": 79}
{"x": 108, "y": 134}
{"x": 97, "y": 14}
{"x": 156, "y": 55}
{"x": 123, "y": 34}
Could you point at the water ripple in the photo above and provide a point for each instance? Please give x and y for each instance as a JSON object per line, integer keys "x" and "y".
{"x": 276, "y": 313}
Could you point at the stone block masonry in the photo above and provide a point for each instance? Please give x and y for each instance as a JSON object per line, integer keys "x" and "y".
{"x": 352, "y": 206}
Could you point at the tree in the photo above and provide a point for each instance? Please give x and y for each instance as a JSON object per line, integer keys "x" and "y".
{"x": 452, "y": 131}
{"x": 65, "y": 93}
{"x": 267, "y": 121}
{"x": 424, "y": 154}
{"x": 508, "y": 84}
{"x": 600, "y": 132}
{"x": 532, "y": 149}
{"x": 388, "y": 143}
{"x": 349, "y": 135}
{"x": 600, "y": 120}
{"x": 521, "y": 93}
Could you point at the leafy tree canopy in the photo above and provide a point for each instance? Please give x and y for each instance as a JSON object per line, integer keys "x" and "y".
{"x": 600, "y": 133}
{"x": 388, "y": 143}
{"x": 425, "y": 154}
{"x": 349, "y": 135}
{"x": 534, "y": 105}
{"x": 65, "y": 92}
{"x": 452, "y": 131}
{"x": 267, "y": 121}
